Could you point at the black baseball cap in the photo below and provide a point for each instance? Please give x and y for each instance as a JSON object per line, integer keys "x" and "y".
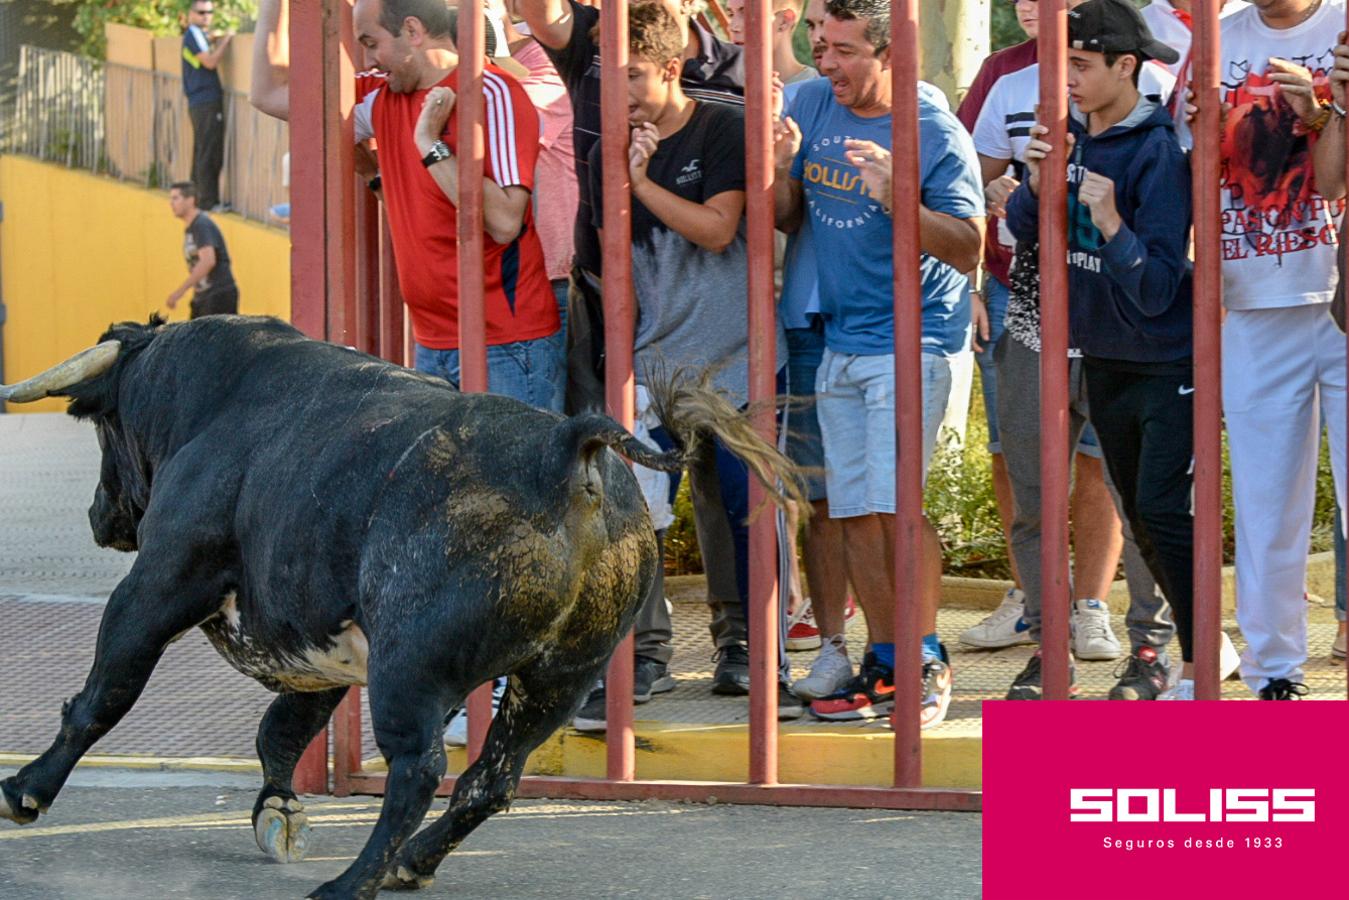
{"x": 1115, "y": 26}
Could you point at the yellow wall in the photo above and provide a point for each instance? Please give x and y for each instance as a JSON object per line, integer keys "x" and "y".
{"x": 78, "y": 251}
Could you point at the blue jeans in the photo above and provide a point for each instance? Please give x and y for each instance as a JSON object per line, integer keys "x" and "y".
{"x": 996, "y": 295}
{"x": 805, "y": 349}
{"x": 533, "y": 372}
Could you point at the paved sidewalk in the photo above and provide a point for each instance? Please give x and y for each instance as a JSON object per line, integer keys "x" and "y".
{"x": 116, "y": 835}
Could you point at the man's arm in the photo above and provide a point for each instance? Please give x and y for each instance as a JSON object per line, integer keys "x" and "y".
{"x": 205, "y": 263}
{"x": 711, "y": 224}
{"x": 1328, "y": 151}
{"x": 550, "y": 21}
{"x": 787, "y": 192}
{"x": 956, "y": 242}
{"x": 269, "y": 91}
{"x": 210, "y": 59}
{"x": 503, "y": 209}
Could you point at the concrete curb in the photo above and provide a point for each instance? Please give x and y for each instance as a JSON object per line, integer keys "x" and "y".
{"x": 986, "y": 593}
{"x": 806, "y": 755}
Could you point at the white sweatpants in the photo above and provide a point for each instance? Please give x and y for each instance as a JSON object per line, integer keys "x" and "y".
{"x": 1281, "y": 369}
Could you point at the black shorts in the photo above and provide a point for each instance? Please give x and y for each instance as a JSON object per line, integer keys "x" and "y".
{"x": 217, "y": 302}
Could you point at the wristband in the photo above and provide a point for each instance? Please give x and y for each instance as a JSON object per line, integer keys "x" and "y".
{"x": 375, "y": 184}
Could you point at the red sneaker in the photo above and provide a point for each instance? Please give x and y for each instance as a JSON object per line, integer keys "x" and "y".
{"x": 803, "y": 633}
{"x": 871, "y": 695}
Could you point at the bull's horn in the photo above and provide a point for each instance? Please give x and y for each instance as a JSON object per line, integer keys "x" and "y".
{"x": 81, "y": 367}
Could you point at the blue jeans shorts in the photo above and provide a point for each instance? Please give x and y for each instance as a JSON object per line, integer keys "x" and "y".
{"x": 856, "y": 404}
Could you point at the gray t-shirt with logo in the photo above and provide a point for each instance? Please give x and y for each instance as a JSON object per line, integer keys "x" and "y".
{"x": 691, "y": 303}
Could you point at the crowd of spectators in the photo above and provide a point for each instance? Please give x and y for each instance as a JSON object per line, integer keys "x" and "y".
{"x": 1284, "y": 66}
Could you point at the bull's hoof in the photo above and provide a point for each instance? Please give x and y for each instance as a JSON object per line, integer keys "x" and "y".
{"x": 18, "y": 808}
{"x": 404, "y": 879}
{"x": 282, "y": 829}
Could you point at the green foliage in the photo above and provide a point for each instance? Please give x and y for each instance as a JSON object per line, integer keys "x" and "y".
{"x": 1003, "y": 29}
{"x": 163, "y": 17}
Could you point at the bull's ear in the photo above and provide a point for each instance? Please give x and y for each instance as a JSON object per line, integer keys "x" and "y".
{"x": 83, "y": 366}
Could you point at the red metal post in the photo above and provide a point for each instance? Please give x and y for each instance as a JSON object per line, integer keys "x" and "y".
{"x": 1208, "y": 294}
{"x": 346, "y": 742}
{"x": 367, "y": 270}
{"x": 763, "y": 569}
{"x": 619, "y": 324}
{"x": 322, "y": 92}
{"x": 908, "y": 312}
{"x": 1054, "y": 460}
{"x": 391, "y": 337}
{"x": 472, "y": 308}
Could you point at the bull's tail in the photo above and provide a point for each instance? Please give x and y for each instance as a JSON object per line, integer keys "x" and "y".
{"x": 692, "y": 411}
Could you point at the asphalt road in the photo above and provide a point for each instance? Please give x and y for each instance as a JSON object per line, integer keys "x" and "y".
{"x": 121, "y": 834}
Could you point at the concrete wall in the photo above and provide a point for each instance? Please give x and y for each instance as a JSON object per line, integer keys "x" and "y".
{"x": 78, "y": 251}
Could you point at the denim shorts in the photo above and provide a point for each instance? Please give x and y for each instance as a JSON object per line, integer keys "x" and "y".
{"x": 856, "y": 404}
{"x": 805, "y": 348}
{"x": 534, "y": 372}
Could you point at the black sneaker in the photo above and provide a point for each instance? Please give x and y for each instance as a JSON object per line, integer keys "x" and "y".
{"x": 870, "y": 695}
{"x": 591, "y": 716}
{"x": 1283, "y": 689}
{"x": 1027, "y": 686}
{"x": 789, "y": 705}
{"x": 649, "y": 676}
{"x": 1145, "y": 676}
{"x": 732, "y": 674}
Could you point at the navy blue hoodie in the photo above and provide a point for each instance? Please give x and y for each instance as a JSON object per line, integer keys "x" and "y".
{"x": 1128, "y": 299}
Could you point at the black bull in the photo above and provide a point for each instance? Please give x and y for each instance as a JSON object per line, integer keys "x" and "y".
{"x": 328, "y": 519}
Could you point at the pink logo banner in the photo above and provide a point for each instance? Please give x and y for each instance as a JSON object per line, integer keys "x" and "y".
{"x": 1108, "y": 800}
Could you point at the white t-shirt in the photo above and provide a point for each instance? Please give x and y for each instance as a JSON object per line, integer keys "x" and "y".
{"x": 1168, "y": 27}
{"x": 1279, "y": 239}
{"x": 1003, "y": 128}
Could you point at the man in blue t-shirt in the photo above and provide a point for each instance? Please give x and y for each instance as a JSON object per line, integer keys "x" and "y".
{"x": 833, "y": 168}
{"x": 205, "y": 101}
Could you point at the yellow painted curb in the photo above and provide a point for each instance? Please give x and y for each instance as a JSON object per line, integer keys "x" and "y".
{"x": 162, "y": 763}
{"x": 806, "y": 755}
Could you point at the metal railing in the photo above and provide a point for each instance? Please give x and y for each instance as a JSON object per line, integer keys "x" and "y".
{"x": 132, "y": 124}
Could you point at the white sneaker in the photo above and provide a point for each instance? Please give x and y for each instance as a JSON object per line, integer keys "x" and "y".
{"x": 1337, "y": 649}
{"x": 1229, "y": 660}
{"x": 830, "y": 672}
{"x": 1184, "y": 690}
{"x": 456, "y": 732}
{"x": 1006, "y": 626}
{"x": 1092, "y": 637}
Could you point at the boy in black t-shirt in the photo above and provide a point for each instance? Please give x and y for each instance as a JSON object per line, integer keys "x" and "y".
{"x": 208, "y": 261}
{"x": 686, "y": 163}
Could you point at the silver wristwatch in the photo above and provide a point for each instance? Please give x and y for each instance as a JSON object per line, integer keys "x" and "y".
{"x": 439, "y": 150}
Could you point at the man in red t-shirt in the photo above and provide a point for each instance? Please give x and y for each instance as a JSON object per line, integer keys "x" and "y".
{"x": 413, "y": 122}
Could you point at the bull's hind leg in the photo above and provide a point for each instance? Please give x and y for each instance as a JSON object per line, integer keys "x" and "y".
{"x": 147, "y": 611}
{"x": 536, "y": 704}
{"x": 407, "y": 713}
{"x": 279, "y": 824}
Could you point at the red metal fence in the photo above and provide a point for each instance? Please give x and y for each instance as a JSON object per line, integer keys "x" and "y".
{"x": 329, "y": 301}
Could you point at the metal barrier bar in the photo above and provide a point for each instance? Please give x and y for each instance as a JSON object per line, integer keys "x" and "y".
{"x": 763, "y": 543}
{"x": 847, "y": 796}
{"x": 392, "y": 340}
{"x": 619, "y": 323}
{"x": 908, "y": 326}
{"x": 472, "y": 308}
{"x": 1054, "y": 450}
{"x": 1206, "y": 166}
{"x": 620, "y": 783}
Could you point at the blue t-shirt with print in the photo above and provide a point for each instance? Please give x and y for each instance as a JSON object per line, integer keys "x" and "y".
{"x": 854, "y": 235}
